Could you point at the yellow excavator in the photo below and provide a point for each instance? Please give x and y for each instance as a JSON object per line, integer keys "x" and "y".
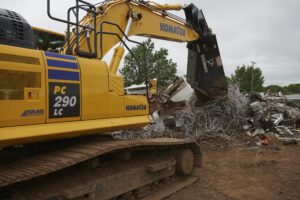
{"x": 59, "y": 99}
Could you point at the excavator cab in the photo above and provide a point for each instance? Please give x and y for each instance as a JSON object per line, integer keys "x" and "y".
{"x": 48, "y": 40}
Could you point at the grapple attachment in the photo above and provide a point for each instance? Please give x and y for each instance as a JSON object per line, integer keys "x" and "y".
{"x": 205, "y": 71}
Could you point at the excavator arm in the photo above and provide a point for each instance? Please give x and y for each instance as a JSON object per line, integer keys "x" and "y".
{"x": 134, "y": 18}
{"x": 106, "y": 24}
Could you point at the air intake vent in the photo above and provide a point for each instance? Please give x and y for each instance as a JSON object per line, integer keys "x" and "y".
{"x": 14, "y": 30}
{"x": 12, "y": 15}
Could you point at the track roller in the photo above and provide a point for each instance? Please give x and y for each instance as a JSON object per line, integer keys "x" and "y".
{"x": 184, "y": 161}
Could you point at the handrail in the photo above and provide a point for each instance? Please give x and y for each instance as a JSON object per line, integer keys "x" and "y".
{"x": 91, "y": 9}
{"x": 62, "y": 20}
{"x": 121, "y": 40}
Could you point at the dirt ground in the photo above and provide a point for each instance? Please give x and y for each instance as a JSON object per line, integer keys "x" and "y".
{"x": 241, "y": 171}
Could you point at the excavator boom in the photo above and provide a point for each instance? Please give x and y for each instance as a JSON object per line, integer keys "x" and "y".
{"x": 205, "y": 71}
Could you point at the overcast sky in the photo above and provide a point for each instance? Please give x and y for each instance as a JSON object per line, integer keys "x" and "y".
{"x": 264, "y": 31}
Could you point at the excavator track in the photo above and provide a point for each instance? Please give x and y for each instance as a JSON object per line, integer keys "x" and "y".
{"x": 98, "y": 168}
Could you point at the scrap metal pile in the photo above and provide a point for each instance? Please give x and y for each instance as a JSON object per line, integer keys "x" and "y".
{"x": 218, "y": 118}
{"x": 257, "y": 115}
{"x": 273, "y": 115}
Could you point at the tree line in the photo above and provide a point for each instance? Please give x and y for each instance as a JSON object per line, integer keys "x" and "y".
{"x": 251, "y": 78}
{"x": 159, "y": 66}
{"x": 290, "y": 89}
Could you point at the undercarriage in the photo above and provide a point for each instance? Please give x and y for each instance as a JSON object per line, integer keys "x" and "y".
{"x": 99, "y": 168}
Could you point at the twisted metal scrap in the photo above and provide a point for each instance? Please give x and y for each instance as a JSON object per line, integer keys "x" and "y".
{"x": 218, "y": 118}
{"x": 156, "y": 130}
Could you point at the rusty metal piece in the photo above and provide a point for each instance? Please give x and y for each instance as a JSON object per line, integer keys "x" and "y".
{"x": 170, "y": 107}
{"x": 172, "y": 89}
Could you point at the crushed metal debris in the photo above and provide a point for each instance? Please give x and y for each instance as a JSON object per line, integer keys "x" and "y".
{"x": 218, "y": 118}
{"x": 274, "y": 114}
{"x": 258, "y": 115}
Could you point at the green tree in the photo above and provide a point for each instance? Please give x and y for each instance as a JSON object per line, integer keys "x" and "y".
{"x": 243, "y": 77}
{"x": 292, "y": 89}
{"x": 158, "y": 65}
{"x": 274, "y": 88}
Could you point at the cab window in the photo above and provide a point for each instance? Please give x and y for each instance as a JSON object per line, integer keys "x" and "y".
{"x": 48, "y": 41}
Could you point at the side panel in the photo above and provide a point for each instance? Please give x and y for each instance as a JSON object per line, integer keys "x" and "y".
{"x": 41, "y": 87}
{"x": 63, "y": 88}
{"x": 116, "y": 105}
{"x": 42, "y": 132}
{"x": 22, "y": 86}
{"x": 116, "y": 96}
{"x": 136, "y": 105}
{"x": 94, "y": 84}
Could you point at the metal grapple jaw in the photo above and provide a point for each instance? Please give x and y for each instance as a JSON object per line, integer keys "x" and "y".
{"x": 205, "y": 72}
